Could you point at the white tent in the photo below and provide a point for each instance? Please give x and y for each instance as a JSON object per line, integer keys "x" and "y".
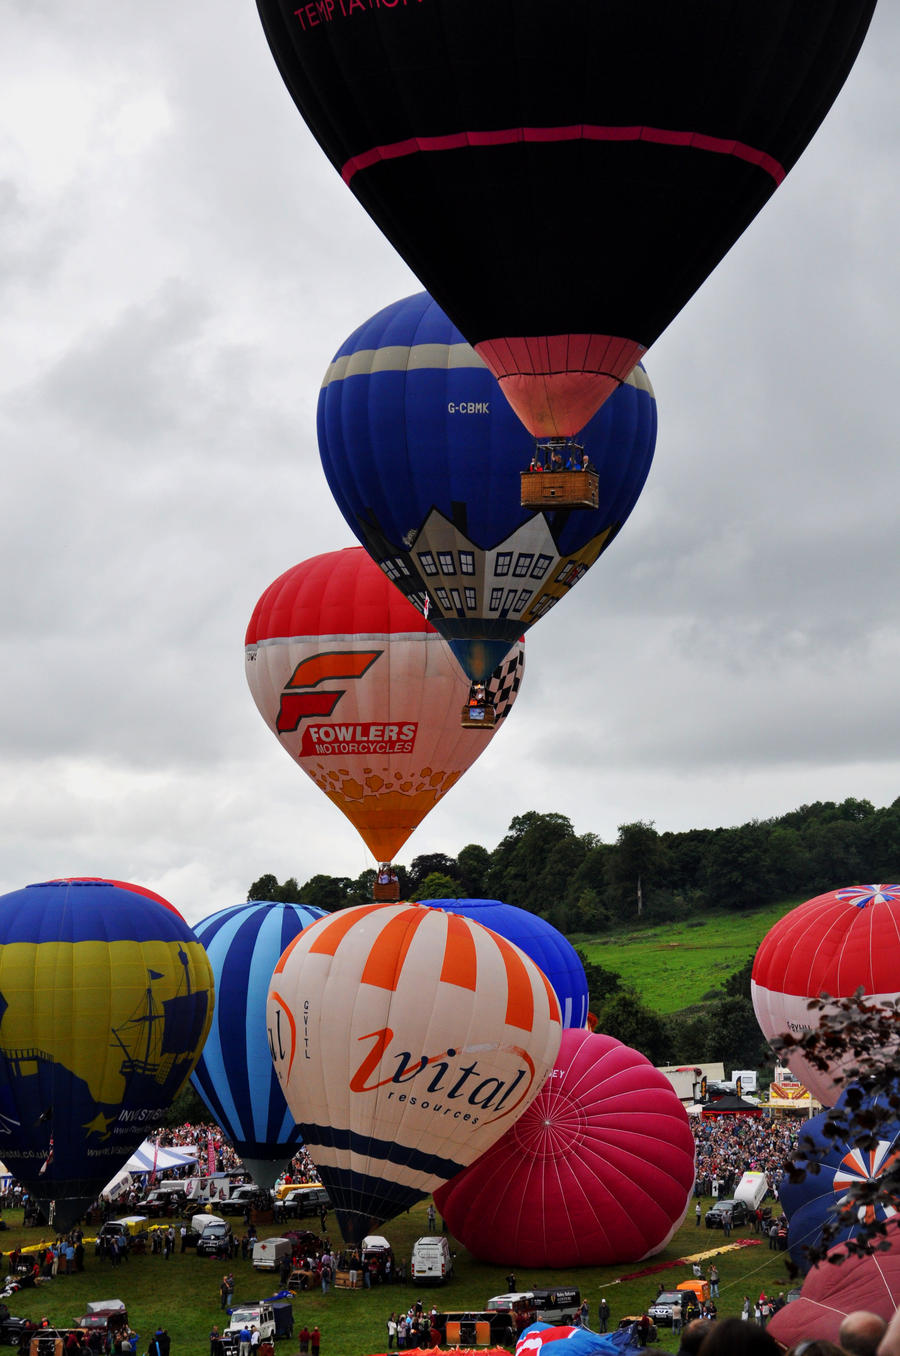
{"x": 142, "y": 1162}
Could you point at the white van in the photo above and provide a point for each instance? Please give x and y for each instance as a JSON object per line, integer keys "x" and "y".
{"x": 269, "y": 1253}
{"x": 431, "y": 1261}
{"x": 751, "y": 1189}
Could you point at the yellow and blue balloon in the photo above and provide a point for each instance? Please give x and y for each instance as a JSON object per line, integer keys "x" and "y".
{"x": 106, "y": 998}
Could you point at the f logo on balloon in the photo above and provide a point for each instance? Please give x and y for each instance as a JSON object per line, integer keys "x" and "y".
{"x": 317, "y": 669}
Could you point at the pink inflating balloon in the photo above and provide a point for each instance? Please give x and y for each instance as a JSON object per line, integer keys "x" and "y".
{"x": 599, "y": 1169}
{"x": 831, "y": 1292}
{"x": 835, "y": 944}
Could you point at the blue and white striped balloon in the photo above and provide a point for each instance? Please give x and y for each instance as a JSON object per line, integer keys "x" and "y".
{"x": 234, "y": 1075}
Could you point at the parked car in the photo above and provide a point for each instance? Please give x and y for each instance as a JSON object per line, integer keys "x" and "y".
{"x": 130, "y": 1232}
{"x": 715, "y": 1215}
{"x": 215, "y": 1236}
{"x": 668, "y": 1306}
{"x": 304, "y": 1202}
{"x": 243, "y": 1197}
{"x": 164, "y": 1200}
{"x": 560, "y": 1306}
{"x": 110, "y": 1317}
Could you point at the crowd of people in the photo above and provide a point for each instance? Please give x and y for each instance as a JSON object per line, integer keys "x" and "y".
{"x": 729, "y": 1146}
{"x": 860, "y": 1334}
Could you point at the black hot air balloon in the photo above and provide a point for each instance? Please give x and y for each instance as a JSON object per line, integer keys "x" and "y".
{"x": 562, "y": 177}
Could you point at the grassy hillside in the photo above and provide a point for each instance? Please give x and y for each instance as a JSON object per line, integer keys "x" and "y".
{"x": 673, "y": 965}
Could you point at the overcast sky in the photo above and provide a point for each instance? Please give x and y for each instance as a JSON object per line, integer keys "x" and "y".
{"x": 179, "y": 264}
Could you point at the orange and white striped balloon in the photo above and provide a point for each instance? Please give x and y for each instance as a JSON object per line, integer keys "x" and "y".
{"x": 406, "y": 1040}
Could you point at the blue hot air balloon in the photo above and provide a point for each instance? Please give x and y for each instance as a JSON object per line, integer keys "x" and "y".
{"x": 234, "y": 1075}
{"x": 425, "y": 459}
{"x": 105, "y": 1000}
{"x": 843, "y": 1164}
{"x": 540, "y": 940}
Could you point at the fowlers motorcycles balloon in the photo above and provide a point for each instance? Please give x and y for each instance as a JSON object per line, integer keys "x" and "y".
{"x": 105, "y": 1001}
{"x": 562, "y": 177}
{"x": 406, "y": 1040}
{"x": 364, "y": 694}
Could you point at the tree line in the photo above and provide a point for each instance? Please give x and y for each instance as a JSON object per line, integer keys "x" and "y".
{"x": 584, "y": 886}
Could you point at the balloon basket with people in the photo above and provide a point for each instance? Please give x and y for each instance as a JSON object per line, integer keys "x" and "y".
{"x": 478, "y": 712}
{"x": 386, "y": 885}
{"x": 560, "y": 476}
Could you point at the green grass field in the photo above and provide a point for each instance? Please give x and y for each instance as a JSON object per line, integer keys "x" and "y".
{"x": 673, "y": 965}
{"x": 182, "y": 1294}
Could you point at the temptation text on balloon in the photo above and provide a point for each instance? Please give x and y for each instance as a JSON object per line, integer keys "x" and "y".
{"x": 325, "y": 11}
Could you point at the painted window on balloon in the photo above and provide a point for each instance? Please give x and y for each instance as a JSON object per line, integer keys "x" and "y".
{"x": 523, "y": 564}
{"x": 503, "y": 562}
{"x": 446, "y": 562}
{"x": 467, "y": 563}
{"x": 394, "y": 567}
{"x": 443, "y": 598}
{"x": 471, "y": 599}
{"x": 541, "y": 566}
{"x": 496, "y": 596}
{"x": 427, "y": 562}
{"x": 522, "y": 599}
{"x": 570, "y": 573}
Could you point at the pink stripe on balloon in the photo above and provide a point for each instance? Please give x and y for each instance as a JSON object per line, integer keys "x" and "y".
{"x": 455, "y": 141}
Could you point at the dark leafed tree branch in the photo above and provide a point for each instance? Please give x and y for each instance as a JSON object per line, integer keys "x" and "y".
{"x": 858, "y": 1041}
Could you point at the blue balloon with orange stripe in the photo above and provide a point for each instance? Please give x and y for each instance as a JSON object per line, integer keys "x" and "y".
{"x": 406, "y": 1040}
{"x": 548, "y": 948}
{"x": 234, "y": 1074}
{"x": 105, "y": 1001}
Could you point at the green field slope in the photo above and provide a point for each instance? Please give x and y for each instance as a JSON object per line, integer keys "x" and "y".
{"x": 674, "y": 965}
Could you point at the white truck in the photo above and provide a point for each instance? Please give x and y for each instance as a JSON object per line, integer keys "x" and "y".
{"x": 752, "y": 1189}
{"x": 431, "y": 1261}
{"x": 269, "y": 1253}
